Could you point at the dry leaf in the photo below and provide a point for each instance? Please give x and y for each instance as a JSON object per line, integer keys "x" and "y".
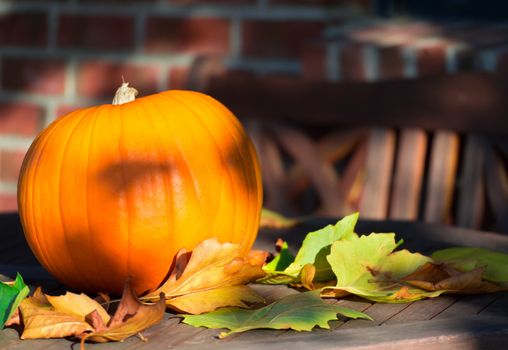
{"x": 130, "y": 318}
{"x": 433, "y": 277}
{"x": 209, "y": 300}
{"x": 42, "y": 321}
{"x": 212, "y": 265}
{"x": 77, "y": 305}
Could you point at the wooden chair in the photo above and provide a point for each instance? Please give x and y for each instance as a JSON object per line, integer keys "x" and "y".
{"x": 431, "y": 149}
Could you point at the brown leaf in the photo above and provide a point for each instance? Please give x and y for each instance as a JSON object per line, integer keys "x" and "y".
{"x": 42, "y": 321}
{"x": 435, "y": 277}
{"x": 130, "y": 318}
{"x": 209, "y": 300}
{"x": 213, "y": 265}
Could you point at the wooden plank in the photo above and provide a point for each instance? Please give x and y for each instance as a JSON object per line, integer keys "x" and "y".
{"x": 470, "y": 101}
{"x": 470, "y": 201}
{"x": 380, "y": 314}
{"x": 468, "y": 305}
{"x": 380, "y": 155}
{"x": 422, "y": 310}
{"x": 441, "y": 181}
{"x": 468, "y": 333}
{"x": 352, "y": 179}
{"x": 499, "y": 307}
{"x": 407, "y": 182}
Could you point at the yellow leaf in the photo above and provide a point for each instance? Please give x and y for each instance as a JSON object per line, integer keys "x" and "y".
{"x": 77, "y": 305}
{"x": 42, "y": 321}
{"x": 130, "y": 318}
{"x": 210, "y": 300}
{"x": 212, "y": 265}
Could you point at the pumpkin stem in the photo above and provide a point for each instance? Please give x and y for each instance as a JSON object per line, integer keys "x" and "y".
{"x": 124, "y": 94}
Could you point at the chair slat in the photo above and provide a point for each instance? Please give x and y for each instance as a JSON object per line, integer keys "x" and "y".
{"x": 380, "y": 155}
{"x": 497, "y": 187}
{"x": 470, "y": 201}
{"x": 441, "y": 177}
{"x": 409, "y": 168}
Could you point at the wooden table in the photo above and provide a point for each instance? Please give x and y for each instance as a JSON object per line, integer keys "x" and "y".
{"x": 446, "y": 322}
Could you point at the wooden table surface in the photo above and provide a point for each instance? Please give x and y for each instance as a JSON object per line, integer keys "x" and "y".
{"x": 446, "y": 322}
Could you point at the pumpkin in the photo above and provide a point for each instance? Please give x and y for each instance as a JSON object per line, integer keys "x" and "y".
{"x": 113, "y": 192}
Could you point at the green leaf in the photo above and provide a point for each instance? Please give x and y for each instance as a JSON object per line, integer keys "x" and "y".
{"x": 301, "y": 312}
{"x": 314, "y": 249}
{"x": 367, "y": 266}
{"x": 10, "y": 298}
{"x": 467, "y": 259}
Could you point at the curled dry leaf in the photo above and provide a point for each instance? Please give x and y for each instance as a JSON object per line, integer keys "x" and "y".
{"x": 434, "y": 277}
{"x": 41, "y": 320}
{"x": 212, "y": 266}
{"x": 130, "y": 318}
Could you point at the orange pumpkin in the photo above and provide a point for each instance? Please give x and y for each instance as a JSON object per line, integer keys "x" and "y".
{"x": 114, "y": 191}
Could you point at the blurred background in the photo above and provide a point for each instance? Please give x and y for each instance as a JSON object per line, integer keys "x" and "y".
{"x": 56, "y": 56}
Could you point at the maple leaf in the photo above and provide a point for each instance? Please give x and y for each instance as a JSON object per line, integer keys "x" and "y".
{"x": 301, "y": 312}
{"x": 130, "y": 318}
{"x": 77, "y": 305}
{"x": 212, "y": 266}
{"x": 367, "y": 266}
{"x": 42, "y": 321}
{"x": 314, "y": 250}
{"x": 11, "y": 295}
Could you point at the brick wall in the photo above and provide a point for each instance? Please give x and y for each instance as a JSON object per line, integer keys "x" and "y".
{"x": 58, "y": 55}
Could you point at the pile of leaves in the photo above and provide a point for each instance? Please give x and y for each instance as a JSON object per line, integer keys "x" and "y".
{"x": 210, "y": 287}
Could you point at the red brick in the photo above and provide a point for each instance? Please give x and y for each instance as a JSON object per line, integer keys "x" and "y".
{"x": 20, "y": 118}
{"x": 351, "y": 63}
{"x": 100, "y": 79}
{"x": 431, "y": 60}
{"x": 391, "y": 63}
{"x": 24, "y": 29}
{"x": 281, "y": 39}
{"x": 189, "y": 35}
{"x": 8, "y": 202}
{"x": 43, "y": 76}
{"x": 96, "y": 32}
{"x": 314, "y": 62}
{"x": 10, "y": 164}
